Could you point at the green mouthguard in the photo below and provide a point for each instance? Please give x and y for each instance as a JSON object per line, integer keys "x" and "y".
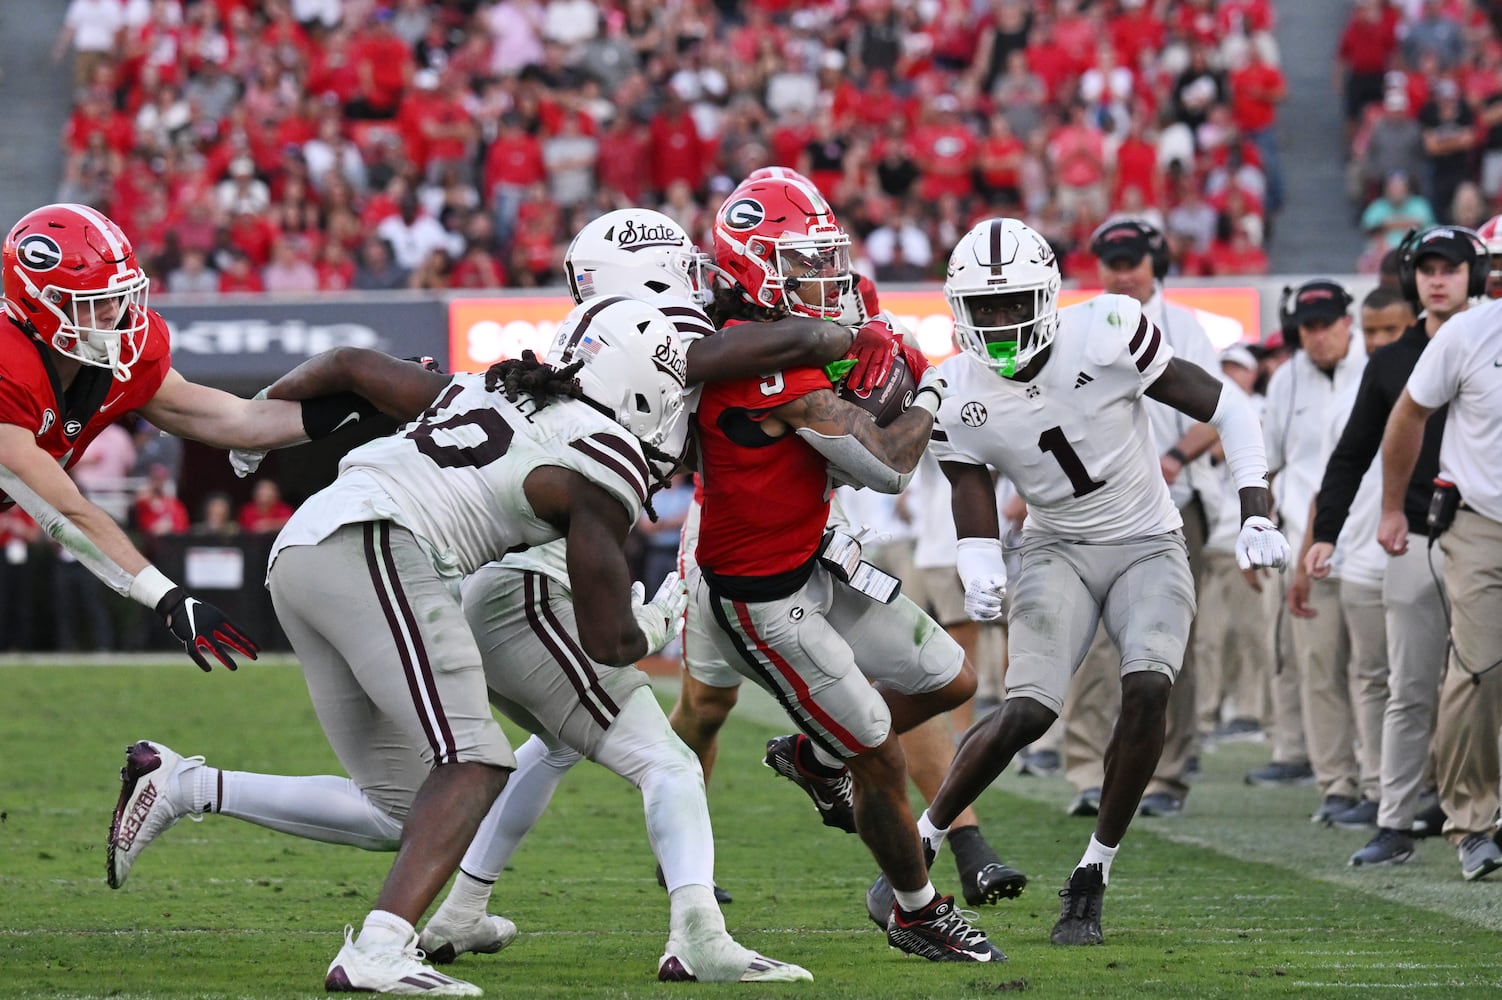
{"x": 1004, "y": 354}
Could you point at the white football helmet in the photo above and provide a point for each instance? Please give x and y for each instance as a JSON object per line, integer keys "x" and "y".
{"x": 634, "y": 363}
{"x": 1003, "y": 257}
{"x": 636, "y": 251}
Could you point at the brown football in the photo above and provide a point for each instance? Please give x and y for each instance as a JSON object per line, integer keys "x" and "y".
{"x": 887, "y": 401}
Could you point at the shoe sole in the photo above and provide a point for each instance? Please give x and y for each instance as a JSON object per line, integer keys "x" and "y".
{"x": 141, "y": 759}
{"x": 1396, "y": 859}
{"x": 1476, "y": 874}
{"x": 1007, "y": 887}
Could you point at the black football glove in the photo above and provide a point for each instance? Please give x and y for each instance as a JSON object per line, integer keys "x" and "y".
{"x": 202, "y": 628}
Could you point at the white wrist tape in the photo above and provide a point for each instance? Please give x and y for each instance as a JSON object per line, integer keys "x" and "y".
{"x": 979, "y": 557}
{"x": 149, "y": 587}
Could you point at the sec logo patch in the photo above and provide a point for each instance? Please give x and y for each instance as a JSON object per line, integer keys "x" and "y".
{"x": 973, "y": 414}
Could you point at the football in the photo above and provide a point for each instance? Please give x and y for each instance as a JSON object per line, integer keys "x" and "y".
{"x": 887, "y": 401}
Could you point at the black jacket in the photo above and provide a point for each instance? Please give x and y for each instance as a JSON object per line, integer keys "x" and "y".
{"x": 1382, "y": 382}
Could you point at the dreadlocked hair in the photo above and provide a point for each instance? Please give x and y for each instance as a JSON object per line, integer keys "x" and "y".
{"x": 730, "y": 303}
{"x": 542, "y": 382}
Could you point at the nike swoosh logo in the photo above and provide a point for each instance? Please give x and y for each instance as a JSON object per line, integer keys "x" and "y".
{"x": 353, "y": 418}
{"x": 108, "y": 403}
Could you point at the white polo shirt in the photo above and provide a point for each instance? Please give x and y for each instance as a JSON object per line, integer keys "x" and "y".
{"x": 1463, "y": 367}
{"x": 1299, "y": 398}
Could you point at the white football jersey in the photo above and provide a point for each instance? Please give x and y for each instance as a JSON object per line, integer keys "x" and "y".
{"x": 454, "y": 477}
{"x": 1076, "y": 441}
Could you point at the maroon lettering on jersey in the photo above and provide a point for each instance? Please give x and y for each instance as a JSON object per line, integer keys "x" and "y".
{"x": 765, "y": 499}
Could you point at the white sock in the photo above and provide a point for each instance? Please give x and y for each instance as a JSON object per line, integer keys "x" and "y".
{"x": 383, "y": 931}
{"x": 539, "y": 768}
{"x": 917, "y": 899}
{"x": 642, "y": 748}
{"x": 826, "y": 758}
{"x": 467, "y": 900}
{"x": 693, "y": 914}
{"x": 317, "y": 807}
{"x": 1099, "y": 854}
{"x": 931, "y": 833}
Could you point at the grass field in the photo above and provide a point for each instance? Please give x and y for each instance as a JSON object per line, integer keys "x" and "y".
{"x": 1241, "y": 897}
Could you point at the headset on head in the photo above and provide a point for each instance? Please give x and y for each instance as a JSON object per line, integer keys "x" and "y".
{"x": 1285, "y": 309}
{"x": 1408, "y": 259}
{"x": 1157, "y": 246}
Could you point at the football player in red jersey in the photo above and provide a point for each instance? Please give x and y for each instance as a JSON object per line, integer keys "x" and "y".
{"x": 80, "y": 350}
{"x": 796, "y": 610}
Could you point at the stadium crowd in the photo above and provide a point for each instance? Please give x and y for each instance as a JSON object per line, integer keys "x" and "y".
{"x": 279, "y": 145}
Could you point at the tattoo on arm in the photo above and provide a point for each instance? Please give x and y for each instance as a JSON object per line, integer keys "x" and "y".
{"x": 899, "y": 445}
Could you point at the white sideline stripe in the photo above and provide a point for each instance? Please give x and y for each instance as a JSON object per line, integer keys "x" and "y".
{"x": 163, "y": 658}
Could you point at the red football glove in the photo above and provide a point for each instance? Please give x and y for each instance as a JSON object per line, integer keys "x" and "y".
{"x": 874, "y": 349}
{"x": 917, "y": 361}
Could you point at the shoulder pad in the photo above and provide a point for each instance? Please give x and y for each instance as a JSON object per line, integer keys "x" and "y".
{"x": 1113, "y": 321}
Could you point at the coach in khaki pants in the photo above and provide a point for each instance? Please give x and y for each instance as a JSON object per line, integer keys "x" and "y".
{"x": 1462, "y": 368}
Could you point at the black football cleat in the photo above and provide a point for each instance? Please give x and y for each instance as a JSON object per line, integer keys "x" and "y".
{"x": 1079, "y": 908}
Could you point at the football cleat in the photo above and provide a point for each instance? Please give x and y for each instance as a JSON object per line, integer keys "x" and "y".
{"x": 722, "y": 960}
{"x": 444, "y": 940}
{"x": 834, "y": 797}
{"x": 356, "y": 970}
{"x": 996, "y": 881}
{"x": 940, "y": 933}
{"x": 147, "y": 806}
{"x": 1079, "y": 908}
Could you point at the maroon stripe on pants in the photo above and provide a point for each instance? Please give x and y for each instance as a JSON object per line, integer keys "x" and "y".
{"x": 373, "y": 562}
{"x": 531, "y": 602}
{"x": 581, "y": 661}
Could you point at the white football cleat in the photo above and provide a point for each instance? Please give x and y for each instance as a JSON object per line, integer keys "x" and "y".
{"x": 148, "y": 804}
{"x": 722, "y": 960}
{"x": 355, "y": 970}
{"x": 444, "y": 940}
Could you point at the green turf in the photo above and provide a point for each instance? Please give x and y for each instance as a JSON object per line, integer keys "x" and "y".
{"x": 223, "y": 909}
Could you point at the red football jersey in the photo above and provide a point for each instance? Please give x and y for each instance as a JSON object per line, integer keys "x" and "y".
{"x": 66, "y": 422}
{"x": 766, "y": 500}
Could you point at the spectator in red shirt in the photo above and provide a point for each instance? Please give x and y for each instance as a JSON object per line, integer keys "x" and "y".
{"x": 1076, "y": 154}
{"x": 1257, "y": 88}
{"x": 1048, "y": 59}
{"x": 384, "y": 67}
{"x": 157, "y": 510}
{"x": 999, "y": 164}
{"x": 1366, "y": 48}
{"x": 335, "y": 268}
{"x": 945, "y": 150}
{"x": 1233, "y": 252}
{"x": 238, "y": 274}
{"x": 1137, "y": 167}
{"x": 512, "y": 165}
{"x": 623, "y": 163}
{"x": 437, "y": 128}
{"x": 333, "y": 69}
{"x": 266, "y": 511}
{"x": 677, "y": 153}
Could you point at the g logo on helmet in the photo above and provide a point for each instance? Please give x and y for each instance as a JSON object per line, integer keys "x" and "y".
{"x": 744, "y": 213}
{"x": 39, "y": 252}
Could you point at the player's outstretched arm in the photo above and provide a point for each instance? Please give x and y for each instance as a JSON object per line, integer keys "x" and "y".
{"x": 595, "y": 525}
{"x": 1191, "y": 390}
{"x": 315, "y": 399}
{"x": 978, "y": 554}
{"x": 35, "y": 481}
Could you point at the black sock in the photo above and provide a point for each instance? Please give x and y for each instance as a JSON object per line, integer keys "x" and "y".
{"x": 971, "y": 852}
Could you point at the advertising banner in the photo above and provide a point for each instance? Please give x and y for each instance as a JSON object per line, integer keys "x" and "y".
{"x": 484, "y": 331}
{"x": 220, "y": 341}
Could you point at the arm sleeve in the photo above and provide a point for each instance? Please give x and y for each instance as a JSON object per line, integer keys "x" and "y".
{"x": 66, "y": 533}
{"x": 1353, "y": 454}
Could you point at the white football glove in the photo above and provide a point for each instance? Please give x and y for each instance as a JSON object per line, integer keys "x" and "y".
{"x": 935, "y": 380}
{"x": 660, "y": 618}
{"x": 243, "y": 461}
{"x": 1261, "y": 545}
{"x": 984, "y": 597}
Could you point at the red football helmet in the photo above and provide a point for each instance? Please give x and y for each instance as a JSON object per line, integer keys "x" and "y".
{"x": 71, "y": 277}
{"x": 779, "y": 241}
{"x": 1491, "y": 235}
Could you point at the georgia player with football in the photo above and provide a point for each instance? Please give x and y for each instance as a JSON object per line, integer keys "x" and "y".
{"x": 82, "y": 349}
{"x": 813, "y": 636}
{"x": 1052, "y": 399}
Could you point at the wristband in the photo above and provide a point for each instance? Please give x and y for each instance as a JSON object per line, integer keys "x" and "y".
{"x": 1177, "y": 455}
{"x": 149, "y": 587}
{"x": 931, "y": 404}
{"x": 326, "y": 414}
